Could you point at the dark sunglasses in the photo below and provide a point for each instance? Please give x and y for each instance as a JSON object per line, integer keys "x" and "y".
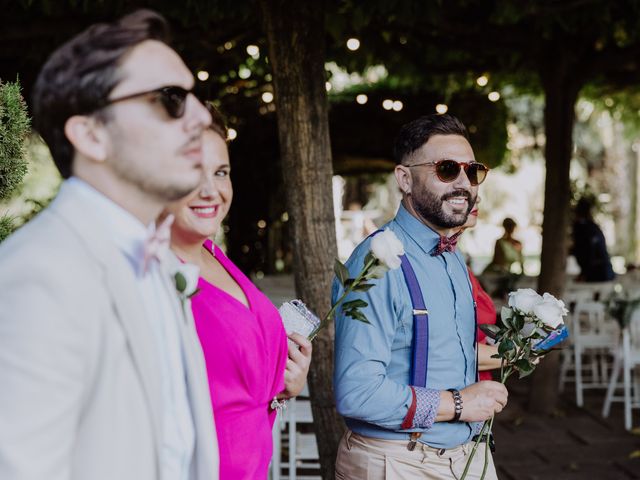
{"x": 448, "y": 170}
{"x": 172, "y": 98}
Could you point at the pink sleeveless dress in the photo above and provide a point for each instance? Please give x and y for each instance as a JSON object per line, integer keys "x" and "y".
{"x": 245, "y": 350}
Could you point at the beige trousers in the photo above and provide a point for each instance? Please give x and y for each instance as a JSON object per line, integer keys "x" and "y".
{"x": 366, "y": 458}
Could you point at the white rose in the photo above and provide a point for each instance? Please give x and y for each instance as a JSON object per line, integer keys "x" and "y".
{"x": 190, "y": 273}
{"x": 560, "y": 303}
{"x": 387, "y": 248}
{"x": 524, "y": 300}
{"x": 550, "y": 311}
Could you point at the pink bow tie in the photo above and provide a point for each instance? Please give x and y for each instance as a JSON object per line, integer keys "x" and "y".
{"x": 446, "y": 244}
{"x": 156, "y": 242}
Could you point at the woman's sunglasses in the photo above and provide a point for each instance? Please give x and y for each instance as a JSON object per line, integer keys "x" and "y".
{"x": 448, "y": 170}
{"x": 172, "y": 98}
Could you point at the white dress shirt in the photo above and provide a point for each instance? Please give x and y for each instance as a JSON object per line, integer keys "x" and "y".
{"x": 160, "y": 303}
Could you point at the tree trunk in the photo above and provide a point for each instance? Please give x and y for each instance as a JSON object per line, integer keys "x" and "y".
{"x": 295, "y": 35}
{"x": 561, "y": 86}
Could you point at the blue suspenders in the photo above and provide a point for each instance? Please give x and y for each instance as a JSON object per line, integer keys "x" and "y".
{"x": 420, "y": 342}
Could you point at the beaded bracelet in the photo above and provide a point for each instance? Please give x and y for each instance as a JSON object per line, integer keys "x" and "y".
{"x": 457, "y": 404}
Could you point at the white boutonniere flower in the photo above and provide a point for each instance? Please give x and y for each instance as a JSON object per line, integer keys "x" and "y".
{"x": 385, "y": 253}
{"x": 387, "y": 248}
{"x": 186, "y": 280}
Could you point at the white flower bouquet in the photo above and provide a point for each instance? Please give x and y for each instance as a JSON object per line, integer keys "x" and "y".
{"x": 385, "y": 253}
{"x": 531, "y": 326}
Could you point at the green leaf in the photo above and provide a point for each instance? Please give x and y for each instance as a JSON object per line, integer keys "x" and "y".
{"x": 524, "y": 367}
{"x": 363, "y": 287}
{"x": 368, "y": 258}
{"x": 341, "y": 271}
{"x": 505, "y": 346}
{"x": 181, "y": 282}
{"x": 518, "y": 322}
{"x": 357, "y": 315}
{"x": 491, "y": 331}
{"x": 354, "y": 304}
{"x": 505, "y": 313}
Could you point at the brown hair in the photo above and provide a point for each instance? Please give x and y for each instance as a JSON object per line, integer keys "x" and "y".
{"x": 79, "y": 76}
{"x": 218, "y": 122}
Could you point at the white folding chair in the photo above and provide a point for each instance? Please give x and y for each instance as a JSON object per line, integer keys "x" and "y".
{"x": 595, "y": 339}
{"x": 627, "y": 359}
{"x": 301, "y": 447}
{"x": 572, "y": 298}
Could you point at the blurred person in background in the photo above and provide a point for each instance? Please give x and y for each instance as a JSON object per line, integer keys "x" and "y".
{"x": 507, "y": 251}
{"x": 589, "y": 245}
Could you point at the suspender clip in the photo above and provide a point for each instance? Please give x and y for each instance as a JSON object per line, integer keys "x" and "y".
{"x": 420, "y": 312}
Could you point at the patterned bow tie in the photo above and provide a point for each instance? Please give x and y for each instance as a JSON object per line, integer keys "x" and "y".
{"x": 156, "y": 242}
{"x": 446, "y": 244}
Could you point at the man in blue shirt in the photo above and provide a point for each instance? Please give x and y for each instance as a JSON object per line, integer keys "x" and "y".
{"x": 396, "y": 429}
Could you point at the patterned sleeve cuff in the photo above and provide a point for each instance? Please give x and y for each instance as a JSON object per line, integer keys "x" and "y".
{"x": 423, "y": 409}
{"x": 476, "y": 427}
{"x": 427, "y": 404}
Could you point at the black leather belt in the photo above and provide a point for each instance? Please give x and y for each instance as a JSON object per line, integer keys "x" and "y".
{"x": 492, "y": 443}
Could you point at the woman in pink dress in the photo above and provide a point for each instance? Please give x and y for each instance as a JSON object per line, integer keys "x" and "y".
{"x": 485, "y": 312}
{"x": 249, "y": 363}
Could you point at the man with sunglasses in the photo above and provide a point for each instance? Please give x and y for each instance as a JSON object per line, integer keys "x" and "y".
{"x": 101, "y": 371}
{"x": 407, "y": 382}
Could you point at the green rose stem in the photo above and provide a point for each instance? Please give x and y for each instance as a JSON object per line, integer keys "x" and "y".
{"x": 327, "y": 318}
{"x": 504, "y": 375}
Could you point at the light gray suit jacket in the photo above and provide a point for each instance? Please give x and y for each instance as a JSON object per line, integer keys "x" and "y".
{"x": 80, "y": 390}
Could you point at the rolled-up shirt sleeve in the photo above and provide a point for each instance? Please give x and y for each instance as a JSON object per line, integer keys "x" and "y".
{"x": 364, "y": 391}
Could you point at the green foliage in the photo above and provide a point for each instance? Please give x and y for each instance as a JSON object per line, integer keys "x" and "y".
{"x": 14, "y": 128}
{"x": 621, "y": 306}
{"x": 6, "y": 227}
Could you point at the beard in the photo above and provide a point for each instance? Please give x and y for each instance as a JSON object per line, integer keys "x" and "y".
{"x": 154, "y": 183}
{"x": 430, "y": 207}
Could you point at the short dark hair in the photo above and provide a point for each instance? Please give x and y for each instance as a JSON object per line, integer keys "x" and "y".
{"x": 81, "y": 74}
{"x": 415, "y": 134}
{"x": 509, "y": 225}
{"x": 583, "y": 208}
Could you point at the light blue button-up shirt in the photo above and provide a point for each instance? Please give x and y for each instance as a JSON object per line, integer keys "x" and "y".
{"x": 373, "y": 362}
{"x": 129, "y": 234}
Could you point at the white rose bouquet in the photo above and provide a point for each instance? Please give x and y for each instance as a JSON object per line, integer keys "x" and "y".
{"x": 531, "y": 326}
{"x": 386, "y": 250}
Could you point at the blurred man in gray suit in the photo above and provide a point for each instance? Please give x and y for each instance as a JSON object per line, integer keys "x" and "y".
{"x": 101, "y": 372}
